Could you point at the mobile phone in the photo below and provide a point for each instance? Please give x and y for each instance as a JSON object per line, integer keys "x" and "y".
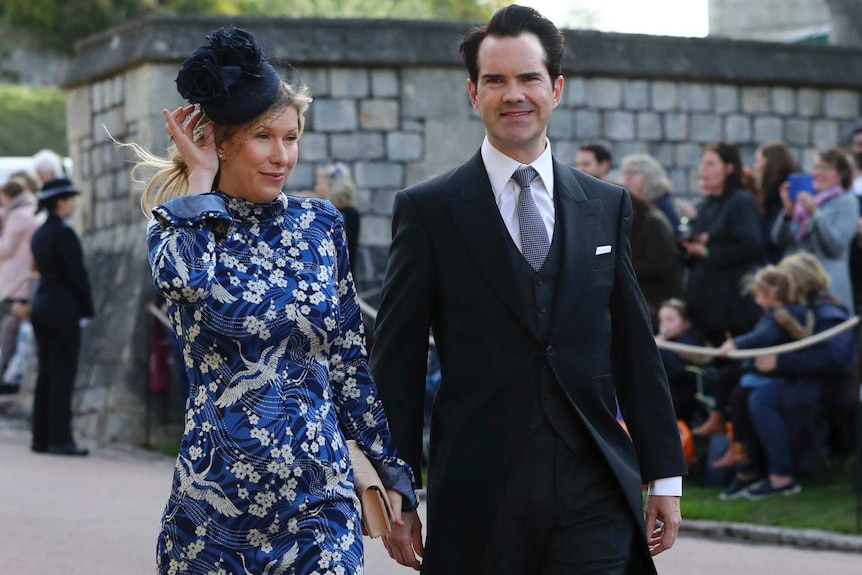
{"x": 799, "y": 182}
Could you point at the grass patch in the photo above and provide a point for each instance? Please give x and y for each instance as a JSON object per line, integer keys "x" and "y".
{"x": 827, "y": 502}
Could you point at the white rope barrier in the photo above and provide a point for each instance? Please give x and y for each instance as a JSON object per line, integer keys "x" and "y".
{"x": 773, "y": 350}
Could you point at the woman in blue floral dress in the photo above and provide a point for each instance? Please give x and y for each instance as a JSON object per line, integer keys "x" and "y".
{"x": 263, "y": 302}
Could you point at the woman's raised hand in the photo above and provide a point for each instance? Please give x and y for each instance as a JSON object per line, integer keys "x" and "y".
{"x": 201, "y": 158}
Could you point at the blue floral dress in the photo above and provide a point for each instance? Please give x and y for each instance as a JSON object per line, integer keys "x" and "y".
{"x": 266, "y": 312}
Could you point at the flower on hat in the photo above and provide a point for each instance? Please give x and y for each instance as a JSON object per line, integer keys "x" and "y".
{"x": 222, "y": 74}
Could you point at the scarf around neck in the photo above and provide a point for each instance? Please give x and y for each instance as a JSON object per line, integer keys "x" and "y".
{"x": 801, "y": 218}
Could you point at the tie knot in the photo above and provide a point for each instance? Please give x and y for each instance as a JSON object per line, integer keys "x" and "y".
{"x": 524, "y": 176}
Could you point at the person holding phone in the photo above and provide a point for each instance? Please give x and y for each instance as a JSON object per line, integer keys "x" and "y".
{"x": 822, "y": 220}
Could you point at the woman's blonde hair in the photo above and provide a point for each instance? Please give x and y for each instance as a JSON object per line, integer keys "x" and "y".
{"x": 806, "y": 273}
{"x": 775, "y": 280}
{"x": 171, "y": 177}
{"x": 337, "y": 182}
{"x": 656, "y": 182}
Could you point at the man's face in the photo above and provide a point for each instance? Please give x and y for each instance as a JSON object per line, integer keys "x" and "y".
{"x": 856, "y": 144}
{"x": 586, "y": 162}
{"x": 514, "y": 94}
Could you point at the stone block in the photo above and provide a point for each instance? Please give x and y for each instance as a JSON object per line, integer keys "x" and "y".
{"x": 755, "y": 100}
{"x": 622, "y": 149}
{"x": 376, "y": 230}
{"x": 588, "y": 124}
{"x": 110, "y": 121}
{"x": 575, "y": 92}
{"x": 662, "y": 152}
{"x": 679, "y": 180}
{"x": 687, "y": 155}
{"x": 412, "y": 126}
{"x": 357, "y": 146}
{"x": 636, "y": 95}
{"x": 649, "y": 126}
{"x": 665, "y": 96}
{"x": 448, "y": 143}
{"x": 317, "y": 80}
{"x": 314, "y": 147}
{"x": 619, "y": 125}
{"x": 798, "y": 131}
{"x": 737, "y": 128}
{"x": 381, "y": 202}
{"x": 78, "y": 113}
{"x": 403, "y": 147}
{"x": 378, "y": 115}
{"x": 809, "y": 102}
{"x": 349, "y": 83}
{"x": 695, "y": 97}
{"x": 783, "y": 101}
{"x": 726, "y": 99}
{"x": 604, "y": 93}
{"x": 434, "y": 93}
{"x": 561, "y": 125}
{"x": 565, "y": 150}
{"x": 841, "y": 104}
{"x": 334, "y": 115}
{"x": 768, "y": 128}
{"x": 676, "y": 127}
{"x": 379, "y": 175}
{"x": 824, "y": 133}
{"x": 385, "y": 84}
{"x": 302, "y": 176}
{"x": 705, "y": 128}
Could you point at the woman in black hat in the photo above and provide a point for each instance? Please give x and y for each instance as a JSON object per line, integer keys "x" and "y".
{"x": 260, "y": 294}
{"x": 61, "y": 301}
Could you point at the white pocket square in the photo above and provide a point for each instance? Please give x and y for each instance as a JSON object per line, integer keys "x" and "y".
{"x": 603, "y": 250}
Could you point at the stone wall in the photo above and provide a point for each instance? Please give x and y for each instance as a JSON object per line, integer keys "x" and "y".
{"x": 765, "y": 18}
{"x": 390, "y": 101}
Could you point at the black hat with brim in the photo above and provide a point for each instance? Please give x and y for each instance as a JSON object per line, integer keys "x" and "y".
{"x": 58, "y": 187}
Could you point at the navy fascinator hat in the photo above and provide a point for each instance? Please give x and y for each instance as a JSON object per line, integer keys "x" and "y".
{"x": 229, "y": 78}
{"x": 58, "y": 187}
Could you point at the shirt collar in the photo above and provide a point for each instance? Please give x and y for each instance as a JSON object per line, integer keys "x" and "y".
{"x": 500, "y": 167}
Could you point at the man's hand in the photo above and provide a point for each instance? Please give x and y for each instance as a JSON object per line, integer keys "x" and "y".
{"x": 664, "y": 508}
{"x": 405, "y": 541}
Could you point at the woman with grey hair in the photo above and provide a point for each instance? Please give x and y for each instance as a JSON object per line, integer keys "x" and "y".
{"x": 655, "y": 254}
{"x": 47, "y": 165}
{"x": 645, "y": 177}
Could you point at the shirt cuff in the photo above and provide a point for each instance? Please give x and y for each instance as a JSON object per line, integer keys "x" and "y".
{"x": 666, "y": 486}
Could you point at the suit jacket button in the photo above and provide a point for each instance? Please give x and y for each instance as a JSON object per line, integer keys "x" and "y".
{"x": 550, "y": 350}
{"x": 542, "y": 308}
{"x": 539, "y": 280}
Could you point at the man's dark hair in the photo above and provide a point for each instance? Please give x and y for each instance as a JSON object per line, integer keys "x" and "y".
{"x": 601, "y": 153}
{"x": 729, "y": 154}
{"x": 512, "y": 21}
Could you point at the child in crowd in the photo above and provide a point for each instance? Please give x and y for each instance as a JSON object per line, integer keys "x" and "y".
{"x": 675, "y": 325}
{"x": 784, "y": 319}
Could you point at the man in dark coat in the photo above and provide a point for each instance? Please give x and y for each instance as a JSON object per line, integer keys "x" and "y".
{"x": 540, "y": 327}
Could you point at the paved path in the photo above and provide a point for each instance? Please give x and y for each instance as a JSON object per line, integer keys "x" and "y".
{"x": 99, "y": 516}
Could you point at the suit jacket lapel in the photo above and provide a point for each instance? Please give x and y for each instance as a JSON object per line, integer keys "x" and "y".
{"x": 477, "y": 219}
{"x": 578, "y": 219}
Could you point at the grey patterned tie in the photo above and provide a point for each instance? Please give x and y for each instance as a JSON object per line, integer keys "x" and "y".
{"x": 534, "y": 235}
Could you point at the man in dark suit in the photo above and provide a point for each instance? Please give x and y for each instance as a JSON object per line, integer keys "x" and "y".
{"x": 522, "y": 267}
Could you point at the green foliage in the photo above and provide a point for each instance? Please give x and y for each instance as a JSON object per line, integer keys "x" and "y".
{"x": 31, "y": 119}
{"x": 60, "y": 23}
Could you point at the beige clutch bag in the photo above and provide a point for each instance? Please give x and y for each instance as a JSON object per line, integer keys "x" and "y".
{"x": 376, "y": 513}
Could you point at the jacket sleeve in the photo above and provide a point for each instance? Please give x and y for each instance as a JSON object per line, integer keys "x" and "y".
{"x": 13, "y": 230}
{"x": 834, "y": 226}
{"x": 766, "y": 333}
{"x": 72, "y": 256}
{"x": 832, "y": 358}
{"x": 354, "y": 393}
{"x": 400, "y": 354}
{"x": 181, "y": 238}
{"x": 743, "y": 241}
{"x": 641, "y": 383}
{"x": 660, "y": 254}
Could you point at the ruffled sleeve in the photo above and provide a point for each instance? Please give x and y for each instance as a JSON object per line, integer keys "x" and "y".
{"x": 181, "y": 239}
{"x": 354, "y": 392}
